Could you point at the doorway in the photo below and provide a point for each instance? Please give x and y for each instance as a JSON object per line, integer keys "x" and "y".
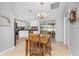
{"x": 19, "y": 30}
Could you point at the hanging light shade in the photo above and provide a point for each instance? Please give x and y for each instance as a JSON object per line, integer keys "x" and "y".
{"x": 42, "y": 15}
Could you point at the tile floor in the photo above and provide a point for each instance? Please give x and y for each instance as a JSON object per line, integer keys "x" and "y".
{"x": 58, "y": 49}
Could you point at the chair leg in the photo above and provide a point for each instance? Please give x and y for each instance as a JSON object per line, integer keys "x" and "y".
{"x": 50, "y": 51}
{"x": 50, "y": 48}
{"x": 44, "y": 50}
{"x": 30, "y": 50}
{"x": 26, "y": 48}
{"x": 40, "y": 53}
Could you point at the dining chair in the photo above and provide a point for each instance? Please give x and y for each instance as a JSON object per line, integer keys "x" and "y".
{"x": 46, "y": 44}
{"x": 35, "y": 45}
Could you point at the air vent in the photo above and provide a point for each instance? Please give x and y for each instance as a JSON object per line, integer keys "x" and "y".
{"x": 55, "y": 5}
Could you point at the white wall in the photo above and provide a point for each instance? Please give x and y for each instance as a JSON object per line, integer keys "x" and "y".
{"x": 59, "y": 21}
{"x": 71, "y": 31}
{"x": 64, "y": 30}
{"x": 74, "y": 38}
{"x": 6, "y": 36}
{"x": 59, "y": 31}
{"x": 6, "y": 33}
{"x": 74, "y": 32}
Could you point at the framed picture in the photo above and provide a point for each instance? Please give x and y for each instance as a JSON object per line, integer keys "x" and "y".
{"x": 4, "y": 21}
{"x": 72, "y": 15}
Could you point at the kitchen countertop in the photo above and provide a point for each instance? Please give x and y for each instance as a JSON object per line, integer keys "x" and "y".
{"x": 29, "y": 29}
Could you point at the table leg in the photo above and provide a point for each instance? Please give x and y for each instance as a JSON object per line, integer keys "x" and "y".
{"x": 26, "y": 47}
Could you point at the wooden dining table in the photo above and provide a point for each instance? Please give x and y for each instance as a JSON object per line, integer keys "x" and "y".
{"x": 42, "y": 40}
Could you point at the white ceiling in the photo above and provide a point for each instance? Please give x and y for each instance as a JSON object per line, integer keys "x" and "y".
{"x": 21, "y": 9}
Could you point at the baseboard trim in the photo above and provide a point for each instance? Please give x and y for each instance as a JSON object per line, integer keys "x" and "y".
{"x": 6, "y": 50}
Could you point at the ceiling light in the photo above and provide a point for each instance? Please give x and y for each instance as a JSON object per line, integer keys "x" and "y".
{"x": 41, "y": 15}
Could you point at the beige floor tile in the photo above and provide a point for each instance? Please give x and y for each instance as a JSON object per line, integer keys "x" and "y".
{"x": 58, "y": 49}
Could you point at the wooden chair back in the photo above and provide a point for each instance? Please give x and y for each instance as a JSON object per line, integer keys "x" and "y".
{"x": 34, "y": 37}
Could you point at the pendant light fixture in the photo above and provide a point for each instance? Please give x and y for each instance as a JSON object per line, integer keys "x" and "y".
{"x": 41, "y": 15}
